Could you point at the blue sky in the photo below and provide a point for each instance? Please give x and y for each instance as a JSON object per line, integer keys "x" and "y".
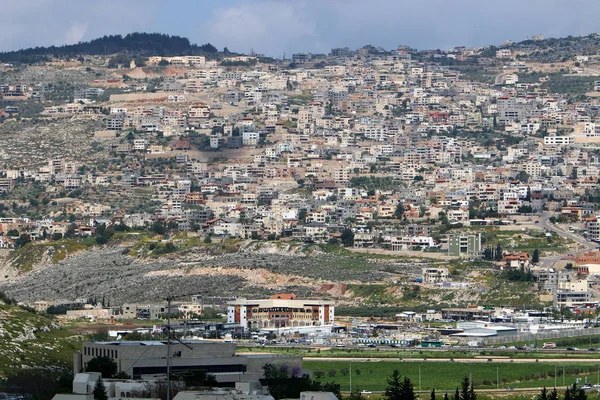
{"x": 277, "y": 26}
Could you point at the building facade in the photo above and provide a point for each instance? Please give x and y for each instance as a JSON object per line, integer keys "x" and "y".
{"x": 148, "y": 360}
{"x": 464, "y": 245}
{"x": 280, "y": 311}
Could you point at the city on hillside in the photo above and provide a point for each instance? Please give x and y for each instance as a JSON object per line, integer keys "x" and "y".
{"x": 195, "y": 224}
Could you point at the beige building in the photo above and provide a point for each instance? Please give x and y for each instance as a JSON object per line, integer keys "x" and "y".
{"x": 280, "y": 311}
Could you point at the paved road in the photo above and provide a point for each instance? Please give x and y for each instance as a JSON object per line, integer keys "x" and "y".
{"x": 548, "y": 262}
{"x": 459, "y": 360}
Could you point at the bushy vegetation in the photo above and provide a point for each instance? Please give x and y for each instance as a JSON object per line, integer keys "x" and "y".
{"x": 374, "y": 182}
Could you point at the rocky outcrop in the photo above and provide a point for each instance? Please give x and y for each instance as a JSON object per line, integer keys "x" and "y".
{"x": 250, "y": 270}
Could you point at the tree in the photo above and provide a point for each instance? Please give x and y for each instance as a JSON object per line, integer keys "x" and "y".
{"x": 347, "y": 238}
{"x": 99, "y": 391}
{"x": 408, "y": 390}
{"x": 105, "y": 365}
{"x": 432, "y": 394}
{"x": 575, "y": 393}
{"x": 159, "y": 227}
{"x": 282, "y": 384}
{"x": 120, "y": 59}
{"x": 393, "y": 390}
{"x": 523, "y": 176}
{"x": 399, "y": 211}
{"x": 37, "y": 384}
{"x": 499, "y": 253}
{"x": 467, "y": 392}
{"x": 355, "y": 395}
{"x": 12, "y": 233}
{"x": 543, "y": 395}
{"x": 302, "y": 215}
{"x": 535, "y": 258}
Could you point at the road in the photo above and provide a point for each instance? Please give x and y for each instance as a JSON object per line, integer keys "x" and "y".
{"x": 459, "y": 360}
{"x": 548, "y": 262}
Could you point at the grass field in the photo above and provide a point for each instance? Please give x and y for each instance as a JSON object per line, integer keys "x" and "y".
{"x": 446, "y": 376}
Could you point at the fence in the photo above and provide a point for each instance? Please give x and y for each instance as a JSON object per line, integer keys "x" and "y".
{"x": 542, "y": 336}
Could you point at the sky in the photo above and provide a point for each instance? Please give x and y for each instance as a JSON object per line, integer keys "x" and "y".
{"x": 275, "y": 27}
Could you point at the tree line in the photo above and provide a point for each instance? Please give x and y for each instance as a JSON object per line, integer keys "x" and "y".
{"x": 134, "y": 43}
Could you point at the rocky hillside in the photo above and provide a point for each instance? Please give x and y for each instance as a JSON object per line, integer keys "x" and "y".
{"x": 134, "y": 273}
{"x": 30, "y": 340}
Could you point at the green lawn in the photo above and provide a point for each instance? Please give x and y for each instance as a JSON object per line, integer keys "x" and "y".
{"x": 446, "y": 376}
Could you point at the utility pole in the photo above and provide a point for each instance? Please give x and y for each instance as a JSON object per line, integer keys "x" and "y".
{"x": 169, "y": 352}
{"x": 350, "y": 376}
{"x": 169, "y": 355}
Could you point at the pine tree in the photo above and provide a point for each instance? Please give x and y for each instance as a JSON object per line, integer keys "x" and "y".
{"x": 464, "y": 394}
{"x": 407, "y": 390}
{"x": 535, "y": 258}
{"x": 467, "y": 390}
{"x": 543, "y": 394}
{"x": 446, "y": 396}
{"x": 553, "y": 395}
{"x": 499, "y": 253}
{"x": 432, "y": 395}
{"x": 99, "y": 391}
{"x": 575, "y": 393}
{"x": 393, "y": 391}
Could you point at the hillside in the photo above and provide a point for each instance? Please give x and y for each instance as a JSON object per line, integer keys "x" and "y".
{"x": 144, "y": 268}
{"x": 133, "y": 44}
{"x": 141, "y": 270}
{"x": 29, "y": 340}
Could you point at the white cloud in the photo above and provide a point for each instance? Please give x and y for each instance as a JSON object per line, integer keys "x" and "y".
{"x": 265, "y": 26}
{"x": 75, "y": 33}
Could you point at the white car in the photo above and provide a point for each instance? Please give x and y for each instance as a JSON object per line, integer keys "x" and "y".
{"x": 365, "y": 392}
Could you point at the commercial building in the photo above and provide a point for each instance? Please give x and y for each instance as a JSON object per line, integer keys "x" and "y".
{"x": 148, "y": 360}
{"x": 280, "y": 311}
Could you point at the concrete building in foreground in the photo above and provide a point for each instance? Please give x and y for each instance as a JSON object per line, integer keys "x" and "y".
{"x": 148, "y": 360}
{"x": 280, "y": 311}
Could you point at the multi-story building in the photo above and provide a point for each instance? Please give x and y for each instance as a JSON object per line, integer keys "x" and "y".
{"x": 464, "y": 245}
{"x": 280, "y": 311}
{"x": 435, "y": 275}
